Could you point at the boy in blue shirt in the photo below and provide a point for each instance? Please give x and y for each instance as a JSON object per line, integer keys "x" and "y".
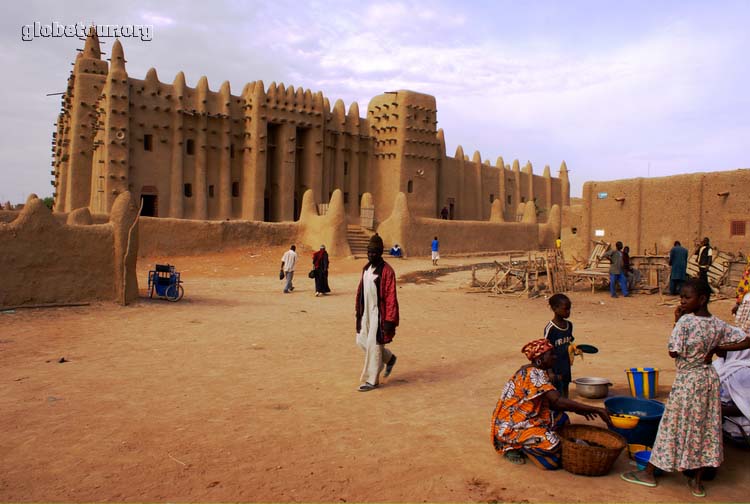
{"x": 559, "y": 332}
{"x": 435, "y": 253}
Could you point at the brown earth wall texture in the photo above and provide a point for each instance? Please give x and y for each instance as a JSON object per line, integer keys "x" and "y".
{"x": 650, "y": 214}
{"x": 163, "y": 236}
{"x": 45, "y": 261}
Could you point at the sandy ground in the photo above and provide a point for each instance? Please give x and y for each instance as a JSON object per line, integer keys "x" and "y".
{"x": 241, "y": 393}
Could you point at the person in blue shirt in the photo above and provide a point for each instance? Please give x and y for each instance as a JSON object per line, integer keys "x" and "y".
{"x": 678, "y": 259}
{"x": 559, "y": 332}
{"x": 435, "y": 253}
{"x": 396, "y": 251}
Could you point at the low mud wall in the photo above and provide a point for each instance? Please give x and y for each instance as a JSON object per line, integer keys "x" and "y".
{"x": 162, "y": 236}
{"x": 415, "y": 234}
{"x": 46, "y": 261}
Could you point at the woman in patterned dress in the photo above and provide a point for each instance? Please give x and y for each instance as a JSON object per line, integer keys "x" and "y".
{"x": 689, "y": 437}
{"x": 741, "y": 310}
{"x": 531, "y": 410}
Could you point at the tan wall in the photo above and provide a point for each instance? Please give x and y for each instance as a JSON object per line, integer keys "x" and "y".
{"x": 650, "y": 214}
{"x": 46, "y": 261}
{"x": 166, "y": 236}
{"x": 570, "y": 234}
{"x": 414, "y": 234}
{"x": 184, "y": 237}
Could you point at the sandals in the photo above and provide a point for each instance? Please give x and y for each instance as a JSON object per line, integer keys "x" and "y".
{"x": 696, "y": 488}
{"x": 515, "y": 457}
{"x": 389, "y": 367}
{"x": 366, "y": 387}
{"x": 632, "y": 477}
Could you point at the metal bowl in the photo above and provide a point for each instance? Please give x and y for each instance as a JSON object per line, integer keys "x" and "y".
{"x": 592, "y": 387}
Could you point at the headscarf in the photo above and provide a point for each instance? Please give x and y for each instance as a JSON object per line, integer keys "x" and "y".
{"x": 534, "y": 349}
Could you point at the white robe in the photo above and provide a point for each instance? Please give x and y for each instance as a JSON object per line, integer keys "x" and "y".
{"x": 734, "y": 375}
{"x": 375, "y": 355}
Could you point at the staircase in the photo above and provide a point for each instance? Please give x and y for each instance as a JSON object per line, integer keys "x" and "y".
{"x": 358, "y": 239}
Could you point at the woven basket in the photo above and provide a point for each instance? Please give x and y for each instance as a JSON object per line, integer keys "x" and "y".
{"x": 590, "y": 460}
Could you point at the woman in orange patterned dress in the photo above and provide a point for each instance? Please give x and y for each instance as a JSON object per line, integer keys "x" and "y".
{"x": 530, "y": 411}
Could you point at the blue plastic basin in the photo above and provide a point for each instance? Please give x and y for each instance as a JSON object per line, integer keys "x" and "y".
{"x": 648, "y": 411}
{"x": 641, "y": 461}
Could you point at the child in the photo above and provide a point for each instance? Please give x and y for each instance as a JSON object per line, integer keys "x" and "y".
{"x": 689, "y": 436}
{"x": 559, "y": 332}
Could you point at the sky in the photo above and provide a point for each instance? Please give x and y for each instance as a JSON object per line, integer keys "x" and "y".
{"x": 615, "y": 89}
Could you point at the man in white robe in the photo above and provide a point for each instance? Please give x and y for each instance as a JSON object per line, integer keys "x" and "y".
{"x": 377, "y": 316}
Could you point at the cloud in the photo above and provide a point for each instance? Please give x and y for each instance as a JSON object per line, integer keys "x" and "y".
{"x": 606, "y": 89}
{"x": 157, "y": 19}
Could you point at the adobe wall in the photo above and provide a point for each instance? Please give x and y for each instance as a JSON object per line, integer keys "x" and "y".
{"x": 414, "y": 234}
{"x": 165, "y": 236}
{"x": 475, "y": 184}
{"x": 47, "y": 261}
{"x": 650, "y": 214}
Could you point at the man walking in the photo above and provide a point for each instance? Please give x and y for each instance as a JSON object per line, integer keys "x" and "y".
{"x": 705, "y": 257}
{"x": 678, "y": 259}
{"x": 377, "y": 314}
{"x": 288, "y": 261}
{"x": 435, "y": 251}
{"x": 615, "y": 270}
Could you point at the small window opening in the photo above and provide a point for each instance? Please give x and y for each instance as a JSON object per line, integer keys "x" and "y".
{"x": 235, "y": 189}
{"x": 190, "y": 146}
{"x": 737, "y": 228}
{"x": 210, "y": 191}
{"x": 410, "y": 186}
{"x": 188, "y": 190}
{"x": 148, "y": 142}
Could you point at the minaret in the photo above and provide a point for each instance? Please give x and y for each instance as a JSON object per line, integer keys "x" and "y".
{"x": 89, "y": 74}
{"x": 112, "y": 160}
{"x": 200, "y": 193}
{"x": 547, "y": 176}
{"x": 517, "y": 178}
{"x": 475, "y": 186}
{"x": 529, "y": 171}
{"x": 564, "y": 185}
{"x": 176, "y": 173}
{"x": 225, "y": 166}
{"x": 353, "y": 127}
{"x": 501, "y": 187}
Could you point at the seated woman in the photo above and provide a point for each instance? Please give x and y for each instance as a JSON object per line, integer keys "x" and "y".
{"x": 734, "y": 377}
{"x": 396, "y": 251}
{"x": 530, "y": 412}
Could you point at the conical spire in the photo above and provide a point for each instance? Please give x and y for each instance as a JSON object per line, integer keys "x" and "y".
{"x": 91, "y": 49}
{"x": 117, "y": 59}
{"x": 563, "y": 170}
{"x": 152, "y": 80}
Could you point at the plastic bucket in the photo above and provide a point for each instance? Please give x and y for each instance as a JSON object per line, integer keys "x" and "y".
{"x": 643, "y": 382}
{"x": 649, "y": 414}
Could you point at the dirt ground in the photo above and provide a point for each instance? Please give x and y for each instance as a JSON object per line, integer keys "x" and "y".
{"x": 241, "y": 393}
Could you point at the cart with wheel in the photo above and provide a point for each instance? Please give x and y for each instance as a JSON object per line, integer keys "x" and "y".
{"x": 165, "y": 282}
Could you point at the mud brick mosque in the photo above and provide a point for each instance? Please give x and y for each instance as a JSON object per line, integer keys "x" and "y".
{"x": 193, "y": 153}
